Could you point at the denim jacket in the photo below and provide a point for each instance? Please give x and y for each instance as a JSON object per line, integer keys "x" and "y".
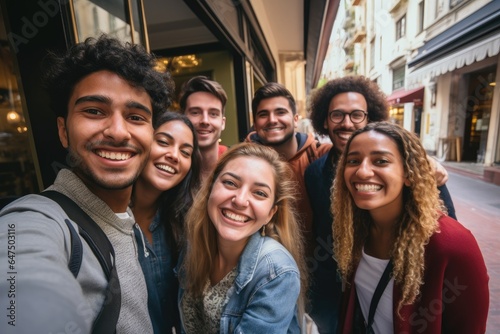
{"x": 263, "y": 298}
{"x": 157, "y": 265}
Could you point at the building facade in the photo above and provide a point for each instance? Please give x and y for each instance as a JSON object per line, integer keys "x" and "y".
{"x": 241, "y": 44}
{"x": 438, "y": 63}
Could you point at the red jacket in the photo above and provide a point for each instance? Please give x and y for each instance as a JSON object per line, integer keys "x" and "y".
{"x": 454, "y": 297}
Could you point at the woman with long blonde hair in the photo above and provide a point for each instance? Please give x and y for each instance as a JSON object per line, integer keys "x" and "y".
{"x": 244, "y": 270}
{"x": 406, "y": 266}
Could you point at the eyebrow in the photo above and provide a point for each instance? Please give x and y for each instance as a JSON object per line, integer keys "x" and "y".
{"x": 107, "y": 100}
{"x": 272, "y": 110}
{"x": 197, "y": 108}
{"x": 346, "y": 109}
{"x": 260, "y": 184}
{"x": 168, "y": 135}
{"x": 380, "y": 152}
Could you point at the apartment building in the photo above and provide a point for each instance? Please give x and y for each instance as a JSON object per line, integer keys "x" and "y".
{"x": 438, "y": 63}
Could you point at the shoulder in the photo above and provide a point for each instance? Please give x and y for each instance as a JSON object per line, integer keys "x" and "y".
{"x": 315, "y": 148}
{"x": 316, "y": 166}
{"x": 39, "y": 224}
{"x": 221, "y": 149}
{"x": 276, "y": 257}
{"x": 33, "y": 204}
{"x": 451, "y": 233}
{"x": 453, "y": 242}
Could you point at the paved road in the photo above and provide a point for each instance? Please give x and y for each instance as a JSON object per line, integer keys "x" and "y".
{"x": 477, "y": 205}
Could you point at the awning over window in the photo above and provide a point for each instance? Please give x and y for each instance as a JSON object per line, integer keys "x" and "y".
{"x": 488, "y": 47}
{"x": 470, "y": 40}
{"x": 405, "y": 96}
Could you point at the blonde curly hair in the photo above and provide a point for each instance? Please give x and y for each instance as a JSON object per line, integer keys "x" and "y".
{"x": 422, "y": 208}
{"x": 283, "y": 227}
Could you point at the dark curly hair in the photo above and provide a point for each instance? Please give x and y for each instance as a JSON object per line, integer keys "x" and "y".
{"x": 130, "y": 62}
{"x": 376, "y": 100}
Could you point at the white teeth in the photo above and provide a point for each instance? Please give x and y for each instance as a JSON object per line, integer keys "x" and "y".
{"x": 114, "y": 155}
{"x": 166, "y": 168}
{"x": 368, "y": 187}
{"x": 344, "y": 135}
{"x": 234, "y": 216}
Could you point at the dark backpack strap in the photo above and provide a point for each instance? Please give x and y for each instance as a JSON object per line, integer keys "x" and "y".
{"x": 75, "y": 259}
{"x": 103, "y": 250}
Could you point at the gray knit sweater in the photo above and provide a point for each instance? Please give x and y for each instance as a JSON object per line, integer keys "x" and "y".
{"x": 42, "y": 242}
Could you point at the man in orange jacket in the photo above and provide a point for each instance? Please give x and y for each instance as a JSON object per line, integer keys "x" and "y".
{"x": 275, "y": 120}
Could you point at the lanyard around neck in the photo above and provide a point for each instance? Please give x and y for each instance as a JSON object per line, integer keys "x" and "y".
{"x": 379, "y": 290}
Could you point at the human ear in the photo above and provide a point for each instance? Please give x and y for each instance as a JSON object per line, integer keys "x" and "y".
{"x": 272, "y": 212}
{"x": 62, "y": 131}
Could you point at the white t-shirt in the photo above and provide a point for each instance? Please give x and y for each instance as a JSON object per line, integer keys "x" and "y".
{"x": 368, "y": 274}
{"x": 122, "y": 215}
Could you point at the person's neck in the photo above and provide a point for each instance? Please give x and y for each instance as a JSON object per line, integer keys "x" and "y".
{"x": 209, "y": 158}
{"x": 382, "y": 235}
{"x": 116, "y": 199}
{"x": 288, "y": 149}
{"x": 227, "y": 258}
{"x": 144, "y": 204}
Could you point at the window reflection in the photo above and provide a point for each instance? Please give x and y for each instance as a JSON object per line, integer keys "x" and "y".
{"x": 96, "y": 17}
{"x": 17, "y": 173}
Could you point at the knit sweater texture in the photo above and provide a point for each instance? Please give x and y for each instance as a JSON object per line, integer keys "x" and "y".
{"x": 44, "y": 242}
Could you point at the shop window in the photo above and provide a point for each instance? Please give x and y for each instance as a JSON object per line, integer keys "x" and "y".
{"x": 478, "y": 113}
{"x": 396, "y": 115}
{"x": 115, "y": 18}
{"x": 17, "y": 171}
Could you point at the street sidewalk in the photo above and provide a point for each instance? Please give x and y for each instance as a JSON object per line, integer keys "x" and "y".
{"x": 471, "y": 169}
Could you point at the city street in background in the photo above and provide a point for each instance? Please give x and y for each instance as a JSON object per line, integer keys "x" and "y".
{"x": 477, "y": 205}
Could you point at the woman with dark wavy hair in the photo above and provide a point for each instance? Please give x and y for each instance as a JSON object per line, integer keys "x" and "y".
{"x": 406, "y": 266}
{"x": 161, "y": 197}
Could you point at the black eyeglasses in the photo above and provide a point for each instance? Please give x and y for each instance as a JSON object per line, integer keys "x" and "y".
{"x": 356, "y": 117}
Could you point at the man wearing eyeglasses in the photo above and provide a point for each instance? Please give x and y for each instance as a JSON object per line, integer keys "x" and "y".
{"x": 337, "y": 109}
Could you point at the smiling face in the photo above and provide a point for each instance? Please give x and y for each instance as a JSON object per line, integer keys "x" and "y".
{"x": 341, "y": 132}
{"x": 204, "y": 110}
{"x": 108, "y": 131}
{"x": 242, "y": 200}
{"x": 275, "y": 122}
{"x": 374, "y": 174}
{"x": 170, "y": 157}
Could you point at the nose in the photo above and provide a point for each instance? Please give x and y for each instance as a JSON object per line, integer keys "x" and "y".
{"x": 204, "y": 118}
{"x": 117, "y": 129}
{"x": 346, "y": 122}
{"x": 240, "y": 198}
{"x": 272, "y": 118}
{"x": 364, "y": 170}
{"x": 172, "y": 154}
